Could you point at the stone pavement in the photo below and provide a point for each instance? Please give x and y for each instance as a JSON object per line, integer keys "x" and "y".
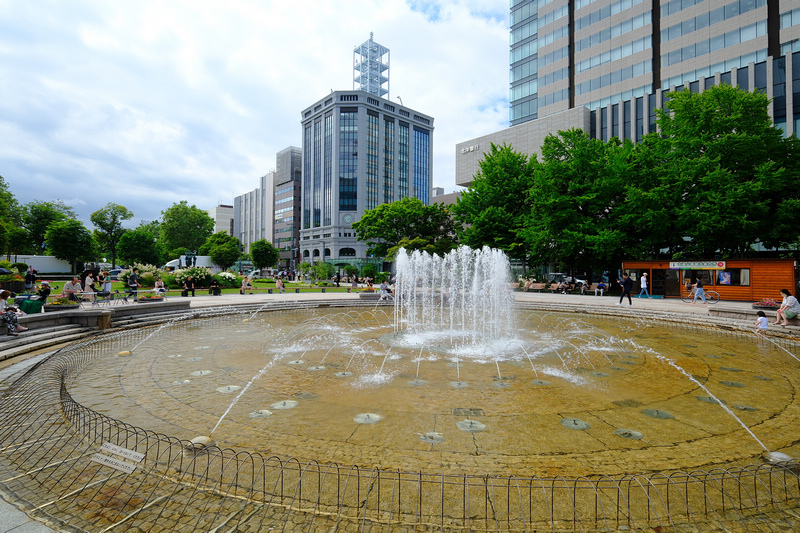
{"x": 16, "y": 521}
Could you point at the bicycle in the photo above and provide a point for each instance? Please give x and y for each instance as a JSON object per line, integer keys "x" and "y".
{"x": 712, "y": 297}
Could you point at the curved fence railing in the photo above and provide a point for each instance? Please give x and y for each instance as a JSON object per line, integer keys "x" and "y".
{"x": 48, "y": 441}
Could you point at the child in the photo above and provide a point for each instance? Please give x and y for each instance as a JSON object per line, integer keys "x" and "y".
{"x": 761, "y": 323}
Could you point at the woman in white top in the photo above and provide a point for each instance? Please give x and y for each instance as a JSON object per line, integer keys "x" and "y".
{"x": 789, "y": 308}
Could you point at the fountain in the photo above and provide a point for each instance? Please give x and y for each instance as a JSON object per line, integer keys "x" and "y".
{"x": 453, "y": 408}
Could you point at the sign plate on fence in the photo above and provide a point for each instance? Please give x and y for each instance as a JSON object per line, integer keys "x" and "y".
{"x": 113, "y": 462}
{"x": 122, "y": 452}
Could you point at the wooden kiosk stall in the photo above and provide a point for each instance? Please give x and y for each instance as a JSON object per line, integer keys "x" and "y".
{"x": 737, "y": 279}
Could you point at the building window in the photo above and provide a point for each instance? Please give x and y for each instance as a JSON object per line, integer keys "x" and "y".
{"x": 404, "y": 149}
{"x": 422, "y": 165}
{"x": 348, "y": 159}
{"x": 347, "y": 252}
{"x": 388, "y": 160}
{"x": 371, "y": 178}
{"x": 734, "y": 276}
{"x": 308, "y": 145}
{"x": 327, "y": 172}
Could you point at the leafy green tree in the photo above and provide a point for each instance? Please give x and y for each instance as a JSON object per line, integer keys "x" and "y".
{"x": 576, "y": 191}
{"x": 223, "y": 249}
{"x": 385, "y": 226}
{"x": 305, "y": 268}
{"x": 108, "y": 222}
{"x": 70, "y": 241}
{"x": 138, "y": 246}
{"x": 12, "y": 236}
{"x": 495, "y": 208}
{"x": 724, "y": 176}
{"x": 184, "y": 227}
{"x": 323, "y": 270}
{"x": 350, "y": 270}
{"x": 38, "y": 216}
{"x": 264, "y": 254}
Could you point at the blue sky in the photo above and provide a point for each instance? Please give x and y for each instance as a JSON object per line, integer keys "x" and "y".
{"x": 146, "y": 103}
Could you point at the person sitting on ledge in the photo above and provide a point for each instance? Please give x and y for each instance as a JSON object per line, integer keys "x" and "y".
{"x": 245, "y": 285}
{"x": 10, "y": 317}
{"x": 214, "y": 289}
{"x": 43, "y": 292}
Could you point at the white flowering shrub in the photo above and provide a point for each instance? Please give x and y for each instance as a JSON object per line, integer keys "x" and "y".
{"x": 201, "y": 275}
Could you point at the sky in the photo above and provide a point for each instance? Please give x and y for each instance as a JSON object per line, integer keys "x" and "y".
{"x": 148, "y": 103}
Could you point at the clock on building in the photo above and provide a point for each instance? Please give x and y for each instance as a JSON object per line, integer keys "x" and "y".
{"x": 348, "y": 219}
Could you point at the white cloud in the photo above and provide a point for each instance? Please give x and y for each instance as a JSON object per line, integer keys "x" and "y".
{"x": 149, "y": 103}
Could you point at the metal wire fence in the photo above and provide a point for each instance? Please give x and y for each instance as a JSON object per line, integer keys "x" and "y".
{"x": 48, "y": 440}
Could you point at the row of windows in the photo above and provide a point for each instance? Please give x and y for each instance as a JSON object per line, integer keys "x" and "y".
{"x": 791, "y": 46}
{"x": 709, "y": 18}
{"x": 790, "y": 18}
{"x": 422, "y": 164}
{"x": 717, "y": 42}
{"x": 524, "y": 70}
{"x": 555, "y": 55}
{"x": 674, "y": 6}
{"x": 619, "y": 52}
{"x": 525, "y": 12}
{"x": 614, "y": 31}
{"x": 289, "y": 188}
{"x": 524, "y": 110}
{"x": 603, "y": 13}
{"x": 583, "y": 3}
{"x": 736, "y": 62}
{"x": 624, "y": 95}
{"x": 525, "y": 31}
{"x": 524, "y": 89}
{"x": 614, "y": 77}
{"x": 554, "y": 76}
{"x": 279, "y": 212}
{"x": 556, "y": 96}
{"x": 284, "y": 200}
{"x": 554, "y": 35}
{"x": 523, "y": 51}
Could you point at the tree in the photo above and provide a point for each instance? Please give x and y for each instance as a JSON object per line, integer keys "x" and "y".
{"x": 69, "y": 240}
{"x": 184, "y": 227}
{"x": 138, "y": 246}
{"x": 577, "y": 190}
{"x": 223, "y": 249}
{"x": 323, "y": 270}
{"x": 12, "y": 236}
{"x": 264, "y": 254}
{"x": 108, "y": 222}
{"x": 724, "y": 171}
{"x": 385, "y": 226}
{"x": 494, "y": 209}
{"x": 38, "y": 216}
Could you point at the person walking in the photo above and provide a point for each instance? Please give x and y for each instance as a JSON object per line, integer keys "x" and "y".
{"x": 643, "y": 283}
{"x": 627, "y": 284}
{"x": 698, "y": 290}
{"x": 30, "y": 279}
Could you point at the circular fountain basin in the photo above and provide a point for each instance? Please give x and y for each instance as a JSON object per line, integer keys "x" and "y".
{"x": 341, "y": 386}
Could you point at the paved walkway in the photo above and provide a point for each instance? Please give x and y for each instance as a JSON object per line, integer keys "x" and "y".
{"x": 16, "y": 521}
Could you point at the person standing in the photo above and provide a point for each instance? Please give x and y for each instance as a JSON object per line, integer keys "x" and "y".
{"x": 133, "y": 284}
{"x": 627, "y": 284}
{"x": 643, "y": 283}
{"x": 30, "y": 279}
{"x": 88, "y": 283}
{"x": 789, "y": 308}
{"x": 698, "y": 290}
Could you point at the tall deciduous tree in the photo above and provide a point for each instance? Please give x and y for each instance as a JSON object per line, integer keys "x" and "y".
{"x": 494, "y": 208}
{"x": 577, "y": 190}
{"x": 37, "y": 217}
{"x": 70, "y": 241}
{"x": 718, "y": 158}
{"x": 10, "y": 221}
{"x": 223, "y": 249}
{"x": 184, "y": 227}
{"x": 384, "y": 227}
{"x": 264, "y": 254}
{"x": 108, "y": 222}
{"x": 138, "y": 246}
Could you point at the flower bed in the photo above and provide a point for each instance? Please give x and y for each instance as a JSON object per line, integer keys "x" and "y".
{"x": 766, "y": 303}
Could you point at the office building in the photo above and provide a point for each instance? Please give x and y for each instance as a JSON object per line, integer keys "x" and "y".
{"x": 617, "y": 59}
{"x": 253, "y": 213}
{"x": 223, "y": 218}
{"x": 359, "y": 150}
{"x": 286, "y": 231}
